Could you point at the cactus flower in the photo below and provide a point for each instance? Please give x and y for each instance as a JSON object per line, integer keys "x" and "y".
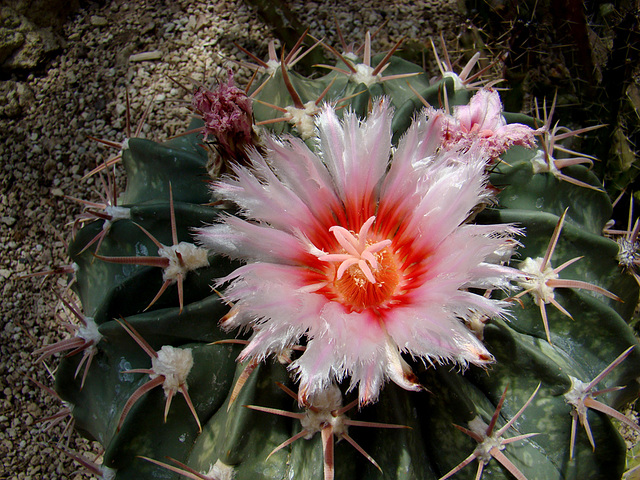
{"x": 228, "y": 117}
{"x": 482, "y": 121}
{"x": 359, "y": 260}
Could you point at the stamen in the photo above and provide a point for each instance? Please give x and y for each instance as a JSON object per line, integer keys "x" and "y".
{"x": 367, "y": 273}
{"x": 357, "y": 250}
{"x": 345, "y": 265}
{"x": 346, "y": 240}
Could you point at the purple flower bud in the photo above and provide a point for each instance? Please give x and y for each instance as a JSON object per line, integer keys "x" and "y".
{"x": 228, "y": 117}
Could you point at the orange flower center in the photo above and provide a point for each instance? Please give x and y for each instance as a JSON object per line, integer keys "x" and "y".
{"x": 356, "y": 291}
{"x": 367, "y": 274}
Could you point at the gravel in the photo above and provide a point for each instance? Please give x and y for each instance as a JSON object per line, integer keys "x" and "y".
{"x": 45, "y": 121}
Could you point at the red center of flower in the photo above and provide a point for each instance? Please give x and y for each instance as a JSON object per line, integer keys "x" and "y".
{"x": 367, "y": 274}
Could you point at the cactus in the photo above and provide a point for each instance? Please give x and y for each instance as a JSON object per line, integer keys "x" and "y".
{"x": 522, "y": 402}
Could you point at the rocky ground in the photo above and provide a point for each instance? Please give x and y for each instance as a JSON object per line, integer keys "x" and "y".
{"x": 46, "y": 118}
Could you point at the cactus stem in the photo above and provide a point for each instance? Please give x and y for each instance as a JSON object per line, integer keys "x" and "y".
{"x": 53, "y": 420}
{"x": 490, "y": 444}
{"x": 301, "y": 115}
{"x": 386, "y": 58}
{"x": 544, "y": 161}
{"x": 181, "y": 468}
{"x": 326, "y": 90}
{"x": 352, "y": 69}
{"x": 292, "y": 54}
{"x": 69, "y": 269}
{"x": 176, "y": 260}
{"x": 169, "y": 367}
{"x": 137, "y": 337}
{"x": 260, "y": 62}
{"x": 462, "y": 81}
{"x": 107, "y": 210}
{"x": 324, "y": 413}
{"x": 581, "y": 397}
{"x": 104, "y": 165}
{"x": 121, "y": 146}
{"x": 628, "y": 249}
{"x": 242, "y": 379}
{"x": 272, "y": 64}
{"x": 85, "y": 337}
{"x": 151, "y": 384}
{"x": 100, "y": 471}
{"x": 297, "y": 101}
{"x": 542, "y": 279}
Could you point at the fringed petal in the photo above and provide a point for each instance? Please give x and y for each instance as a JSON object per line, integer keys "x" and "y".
{"x": 362, "y": 262}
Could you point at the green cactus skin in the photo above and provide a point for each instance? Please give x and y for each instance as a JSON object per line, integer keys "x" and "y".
{"x": 243, "y": 438}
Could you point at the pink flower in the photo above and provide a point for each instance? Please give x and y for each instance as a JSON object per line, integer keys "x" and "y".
{"x": 227, "y": 115}
{"x": 359, "y": 259}
{"x": 482, "y": 121}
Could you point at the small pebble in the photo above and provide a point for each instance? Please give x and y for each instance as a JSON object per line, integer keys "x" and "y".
{"x": 98, "y": 21}
{"x": 144, "y": 56}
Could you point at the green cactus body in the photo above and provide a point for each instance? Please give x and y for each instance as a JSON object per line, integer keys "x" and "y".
{"x": 359, "y": 90}
{"x": 243, "y": 438}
